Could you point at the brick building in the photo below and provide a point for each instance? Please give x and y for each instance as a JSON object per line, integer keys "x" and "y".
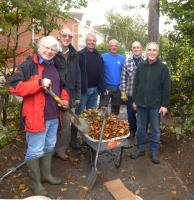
{"x": 79, "y": 28}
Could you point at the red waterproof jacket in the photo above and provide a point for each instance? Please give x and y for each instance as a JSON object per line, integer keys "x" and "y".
{"x": 27, "y": 83}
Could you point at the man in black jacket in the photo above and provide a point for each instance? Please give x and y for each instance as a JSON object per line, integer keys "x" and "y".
{"x": 151, "y": 94}
{"x": 68, "y": 67}
{"x": 92, "y": 74}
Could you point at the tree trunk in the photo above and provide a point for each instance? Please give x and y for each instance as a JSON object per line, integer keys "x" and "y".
{"x": 153, "y": 21}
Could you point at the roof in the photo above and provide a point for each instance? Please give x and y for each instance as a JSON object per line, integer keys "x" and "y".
{"x": 76, "y": 15}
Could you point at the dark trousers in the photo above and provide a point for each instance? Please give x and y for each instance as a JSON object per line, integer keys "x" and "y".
{"x": 115, "y": 95}
{"x": 131, "y": 116}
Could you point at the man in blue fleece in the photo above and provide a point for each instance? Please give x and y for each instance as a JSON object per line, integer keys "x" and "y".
{"x": 113, "y": 63}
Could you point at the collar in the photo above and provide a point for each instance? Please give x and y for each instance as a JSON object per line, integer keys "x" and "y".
{"x": 41, "y": 61}
{"x": 136, "y": 57}
{"x": 65, "y": 52}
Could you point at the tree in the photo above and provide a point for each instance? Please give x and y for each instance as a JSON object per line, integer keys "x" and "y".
{"x": 182, "y": 12}
{"x": 153, "y": 21}
{"x": 125, "y": 29}
{"x": 17, "y": 18}
{"x": 179, "y": 54}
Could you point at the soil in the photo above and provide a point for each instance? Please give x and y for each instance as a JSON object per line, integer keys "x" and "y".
{"x": 180, "y": 154}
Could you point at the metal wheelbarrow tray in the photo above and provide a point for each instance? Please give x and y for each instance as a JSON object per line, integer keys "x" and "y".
{"x": 109, "y": 144}
{"x": 113, "y": 146}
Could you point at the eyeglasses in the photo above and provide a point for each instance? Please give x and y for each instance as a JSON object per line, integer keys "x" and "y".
{"x": 51, "y": 49}
{"x": 67, "y": 36}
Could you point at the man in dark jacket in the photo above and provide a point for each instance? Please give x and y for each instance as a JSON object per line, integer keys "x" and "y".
{"x": 127, "y": 79}
{"x": 68, "y": 67}
{"x": 92, "y": 81}
{"x": 151, "y": 94}
{"x": 92, "y": 78}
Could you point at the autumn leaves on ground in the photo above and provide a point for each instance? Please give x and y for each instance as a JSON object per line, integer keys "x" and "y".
{"x": 75, "y": 171}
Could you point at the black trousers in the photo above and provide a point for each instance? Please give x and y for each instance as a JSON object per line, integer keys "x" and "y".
{"x": 115, "y": 95}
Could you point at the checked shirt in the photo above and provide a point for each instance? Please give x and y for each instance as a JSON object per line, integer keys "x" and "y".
{"x": 128, "y": 75}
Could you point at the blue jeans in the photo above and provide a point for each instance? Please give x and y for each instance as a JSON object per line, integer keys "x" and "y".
{"x": 42, "y": 142}
{"x": 145, "y": 116}
{"x": 88, "y": 100}
{"x": 131, "y": 115}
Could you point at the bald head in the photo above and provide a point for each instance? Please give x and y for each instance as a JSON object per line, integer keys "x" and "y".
{"x": 136, "y": 48}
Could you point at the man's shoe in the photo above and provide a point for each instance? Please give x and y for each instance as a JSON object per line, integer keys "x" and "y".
{"x": 62, "y": 156}
{"x": 137, "y": 154}
{"x": 132, "y": 135}
{"x": 154, "y": 158}
{"x": 75, "y": 145}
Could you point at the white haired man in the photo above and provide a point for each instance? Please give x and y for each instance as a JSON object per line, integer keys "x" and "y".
{"x": 40, "y": 112}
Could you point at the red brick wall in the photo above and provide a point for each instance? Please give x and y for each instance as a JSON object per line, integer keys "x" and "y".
{"x": 25, "y": 39}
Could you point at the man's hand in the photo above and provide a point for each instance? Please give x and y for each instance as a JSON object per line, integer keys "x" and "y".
{"x": 134, "y": 105}
{"x": 76, "y": 103}
{"x": 163, "y": 110}
{"x": 124, "y": 96}
{"x": 63, "y": 103}
{"x": 46, "y": 82}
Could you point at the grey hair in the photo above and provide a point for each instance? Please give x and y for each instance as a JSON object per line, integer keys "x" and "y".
{"x": 91, "y": 35}
{"x": 48, "y": 41}
{"x": 115, "y": 41}
{"x": 152, "y": 43}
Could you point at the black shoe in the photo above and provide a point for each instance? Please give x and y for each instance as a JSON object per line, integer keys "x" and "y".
{"x": 75, "y": 145}
{"x": 154, "y": 158}
{"x": 137, "y": 154}
{"x": 132, "y": 135}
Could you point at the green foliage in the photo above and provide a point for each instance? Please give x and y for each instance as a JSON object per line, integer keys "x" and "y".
{"x": 6, "y": 135}
{"x": 182, "y": 12}
{"x": 179, "y": 54}
{"x": 17, "y": 17}
{"x": 125, "y": 29}
{"x": 103, "y": 48}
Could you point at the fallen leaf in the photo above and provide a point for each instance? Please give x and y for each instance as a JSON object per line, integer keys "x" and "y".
{"x": 173, "y": 192}
{"x": 22, "y": 186}
{"x": 137, "y": 191}
{"x": 133, "y": 178}
{"x": 69, "y": 178}
{"x": 25, "y": 190}
{"x": 123, "y": 170}
{"x": 83, "y": 187}
{"x": 63, "y": 189}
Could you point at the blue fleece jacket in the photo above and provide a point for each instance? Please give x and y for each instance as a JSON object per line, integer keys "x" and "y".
{"x": 112, "y": 68}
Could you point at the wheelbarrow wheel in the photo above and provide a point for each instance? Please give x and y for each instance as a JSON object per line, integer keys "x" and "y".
{"x": 117, "y": 154}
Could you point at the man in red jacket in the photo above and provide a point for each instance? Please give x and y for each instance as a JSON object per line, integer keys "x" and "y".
{"x": 40, "y": 112}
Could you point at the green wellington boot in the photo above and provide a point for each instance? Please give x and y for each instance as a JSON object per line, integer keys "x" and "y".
{"x": 34, "y": 173}
{"x": 45, "y": 167}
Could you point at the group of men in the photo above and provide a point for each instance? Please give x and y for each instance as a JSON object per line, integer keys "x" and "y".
{"x": 79, "y": 78}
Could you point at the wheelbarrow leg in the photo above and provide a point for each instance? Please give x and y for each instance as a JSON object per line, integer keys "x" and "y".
{"x": 117, "y": 155}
